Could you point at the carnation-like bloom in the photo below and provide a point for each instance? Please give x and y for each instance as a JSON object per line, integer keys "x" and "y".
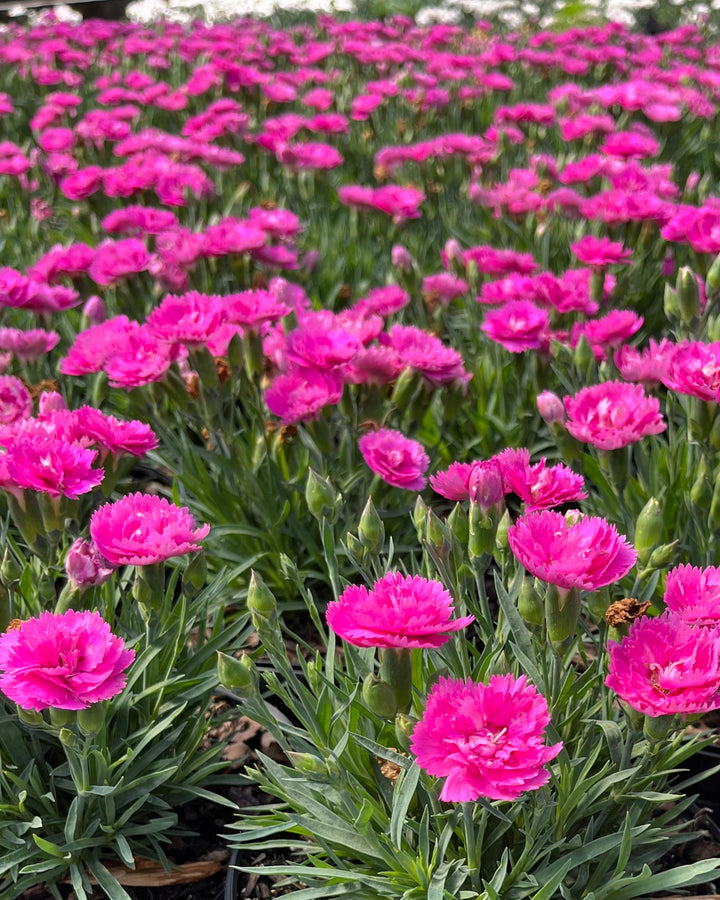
{"x": 595, "y": 251}
{"x": 66, "y": 661}
{"x": 399, "y": 611}
{"x": 573, "y": 551}
{"x": 15, "y": 400}
{"x": 540, "y": 486}
{"x": 665, "y": 666}
{"x": 302, "y": 394}
{"x": 398, "y": 460}
{"x": 519, "y": 325}
{"x": 486, "y": 739}
{"x": 53, "y": 466}
{"x": 85, "y": 565}
{"x": 694, "y": 594}
{"x": 427, "y": 354}
{"x": 142, "y": 529}
{"x": 613, "y": 414}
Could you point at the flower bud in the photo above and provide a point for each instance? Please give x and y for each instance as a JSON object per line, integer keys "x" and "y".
{"x": 371, "y": 530}
{"x": 437, "y": 536}
{"x": 530, "y": 605}
{"x": 69, "y": 739}
{"x": 668, "y": 264}
{"x": 237, "y": 675}
{"x": 583, "y": 357}
{"x": 481, "y": 531}
{"x": 31, "y": 717}
{"x": 323, "y": 500}
{"x": 50, "y": 402}
{"x": 658, "y": 729}
{"x": 562, "y": 611}
{"x": 688, "y": 294}
{"x": 401, "y": 258}
{"x": 355, "y": 549}
{"x": 702, "y": 490}
{"x": 458, "y": 523}
{"x": 404, "y": 727}
{"x": 671, "y": 305}
{"x": 452, "y": 251}
{"x": 420, "y": 517}
{"x": 86, "y": 566}
{"x": 91, "y": 719}
{"x": 195, "y": 575}
{"x": 406, "y": 384}
{"x": 486, "y": 487}
{"x": 648, "y": 530}
{"x": 235, "y": 352}
{"x": 309, "y": 261}
{"x": 94, "y": 310}
{"x": 501, "y": 534}
{"x": 551, "y": 408}
{"x": 661, "y": 557}
{"x": 308, "y": 763}
{"x": 10, "y": 570}
{"x": 379, "y": 697}
{"x": 712, "y": 282}
{"x": 260, "y": 599}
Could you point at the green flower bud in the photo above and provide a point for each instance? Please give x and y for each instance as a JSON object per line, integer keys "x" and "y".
{"x": 308, "y": 763}
{"x": 204, "y": 364}
{"x": 69, "y": 739}
{"x": 99, "y": 390}
{"x": 702, "y": 489}
{"x": 379, "y": 697}
{"x": 562, "y": 611}
{"x": 62, "y": 717}
{"x": 237, "y": 675}
{"x": 712, "y": 282}
{"x": 371, "y": 530}
{"x": 420, "y": 517}
{"x": 195, "y": 575}
{"x": 11, "y": 570}
{"x": 458, "y": 523}
{"x": 235, "y": 353}
{"x": 530, "y": 605}
{"x": 323, "y": 500}
{"x": 404, "y": 727}
{"x": 472, "y": 273}
{"x": 406, "y": 385}
{"x": 355, "y": 548}
{"x": 92, "y": 719}
{"x": 713, "y": 328}
{"x": 31, "y": 717}
{"x": 671, "y": 305}
{"x": 481, "y": 532}
{"x": 658, "y": 729}
{"x": 648, "y": 530}
{"x": 437, "y": 536}
{"x": 583, "y": 356}
{"x": 260, "y": 599}
{"x": 501, "y": 534}
{"x": 688, "y": 295}
{"x": 661, "y": 557}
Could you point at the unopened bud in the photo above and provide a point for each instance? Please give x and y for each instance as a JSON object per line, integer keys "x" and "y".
{"x": 648, "y": 530}
{"x": 91, "y": 719}
{"x": 404, "y": 727}
{"x": 458, "y": 523}
{"x": 379, "y": 697}
{"x": 260, "y": 599}
{"x": 371, "y": 530}
{"x": 712, "y": 282}
{"x": 94, "y": 310}
{"x": 688, "y": 294}
{"x": 671, "y": 305}
{"x": 406, "y": 384}
{"x": 308, "y": 763}
{"x": 551, "y": 408}
{"x": 86, "y": 566}
{"x": 530, "y": 605}
{"x": 661, "y": 557}
{"x": 323, "y": 500}
{"x": 485, "y": 486}
{"x": 562, "y": 611}
{"x": 420, "y": 517}
{"x": 50, "y": 402}
{"x": 437, "y": 536}
{"x": 701, "y": 491}
{"x": 401, "y": 258}
{"x": 481, "y": 531}
{"x": 501, "y": 534}
{"x": 237, "y": 675}
{"x": 355, "y": 548}
{"x": 583, "y": 357}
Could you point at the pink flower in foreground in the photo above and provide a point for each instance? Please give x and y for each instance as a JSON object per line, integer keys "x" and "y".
{"x": 28, "y": 344}
{"x": 398, "y": 460}
{"x": 142, "y": 529}
{"x": 52, "y": 466}
{"x": 694, "y": 594}
{"x": 571, "y": 551}
{"x": 67, "y": 661}
{"x": 694, "y": 368}
{"x": 595, "y": 251}
{"x": 117, "y": 259}
{"x": 519, "y": 325}
{"x": 665, "y": 666}
{"x": 399, "y": 611}
{"x": 486, "y": 739}
{"x": 613, "y": 414}
{"x": 427, "y": 354}
{"x": 15, "y": 400}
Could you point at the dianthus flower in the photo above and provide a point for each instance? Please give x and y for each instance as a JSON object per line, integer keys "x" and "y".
{"x": 189, "y": 319}
{"x": 252, "y": 308}
{"x": 694, "y": 368}
{"x": 28, "y": 344}
{"x": 302, "y": 393}
{"x": 398, "y": 460}
{"x": 649, "y": 366}
{"x": 321, "y": 346}
{"x": 426, "y": 354}
{"x": 595, "y": 251}
{"x": 115, "y": 436}
{"x": 94, "y": 345}
{"x": 399, "y": 611}
{"x": 385, "y": 300}
{"x": 540, "y": 486}
{"x": 65, "y": 661}
{"x": 454, "y": 482}
{"x": 52, "y": 466}
{"x": 518, "y": 326}
{"x": 693, "y": 594}
{"x": 607, "y": 332}
{"x": 86, "y": 566}
{"x": 139, "y": 359}
{"x": 572, "y": 551}
{"x": 142, "y": 529}
{"x": 665, "y": 666}
{"x": 15, "y": 400}
{"x": 117, "y": 259}
{"x": 443, "y": 287}
{"x": 232, "y": 235}
{"x": 486, "y": 739}
{"x": 613, "y": 414}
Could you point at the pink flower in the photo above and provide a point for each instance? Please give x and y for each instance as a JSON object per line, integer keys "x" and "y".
{"x": 142, "y": 529}
{"x": 607, "y": 332}
{"x": 443, "y": 288}
{"x": 233, "y": 236}
{"x": 252, "y": 308}
{"x": 190, "y": 319}
{"x": 117, "y": 259}
{"x": 540, "y": 486}
{"x": 572, "y": 551}
{"x": 665, "y": 666}
{"x": 398, "y": 460}
{"x": 487, "y": 739}
{"x": 52, "y": 466}
{"x": 649, "y": 366}
{"x": 66, "y": 661}
{"x": 480, "y": 481}
{"x": 426, "y": 354}
{"x": 613, "y": 414}
{"x": 28, "y": 345}
{"x": 694, "y": 368}
{"x": 139, "y": 359}
{"x": 399, "y": 611}
{"x": 693, "y": 594}
{"x": 302, "y": 394}
{"x": 15, "y": 400}
{"x": 321, "y": 345}
{"x": 94, "y": 345}
{"x": 518, "y": 326}
{"x": 115, "y": 436}
{"x": 85, "y": 565}
{"x": 385, "y": 300}
{"x": 550, "y": 407}
{"x": 595, "y": 251}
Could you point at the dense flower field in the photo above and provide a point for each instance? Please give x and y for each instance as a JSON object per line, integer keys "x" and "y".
{"x": 367, "y": 375}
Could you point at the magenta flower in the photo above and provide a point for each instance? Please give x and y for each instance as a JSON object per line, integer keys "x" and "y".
{"x": 665, "y": 666}
{"x": 607, "y": 332}
{"x": 66, "y": 661}
{"x": 52, "y": 466}
{"x": 613, "y": 414}
{"x": 519, "y": 325}
{"x": 572, "y": 551}
{"x": 399, "y": 611}
{"x": 486, "y": 739}
{"x": 649, "y": 366}
{"x": 694, "y": 368}
{"x": 15, "y": 400}
{"x": 398, "y": 460}
{"x": 117, "y": 259}
{"x": 593, "y": 251}
{"x": 85, "y": 565}
{"x": 693, "y": 594}
{"x": 142, "y": 529}
{"x": 426, "y": 354}
{"x": 93, "y": 346}
{"x": 454, "y": 482}
{"x": 302, "y": 394}
{"x": 115, "y": 436}
{"x": 190, "y": 319}
{"x": 28, "y": 344}
{"x": 540, "y": 486}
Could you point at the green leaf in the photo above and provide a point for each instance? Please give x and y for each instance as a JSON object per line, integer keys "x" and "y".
{"x": 112, "y": 887}
{"x": 50, "y": 848}
{"x": 402, "y": 797}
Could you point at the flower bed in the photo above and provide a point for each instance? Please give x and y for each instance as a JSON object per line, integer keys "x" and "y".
{"x": 365, "y": 374}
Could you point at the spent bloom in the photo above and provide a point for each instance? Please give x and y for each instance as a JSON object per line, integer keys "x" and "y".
{"x": 572, "y": 551}
{"x": 613, "y": 414}
{"x": 693, "y": 594}
{"x": 487, "y": 740}
{"x": 66, "y": 661}
{"x": 665, "y": 666}
{"x": 142, "y": 529}
{"x": 399, "y": 611}
{"x": 398, "y": 460}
